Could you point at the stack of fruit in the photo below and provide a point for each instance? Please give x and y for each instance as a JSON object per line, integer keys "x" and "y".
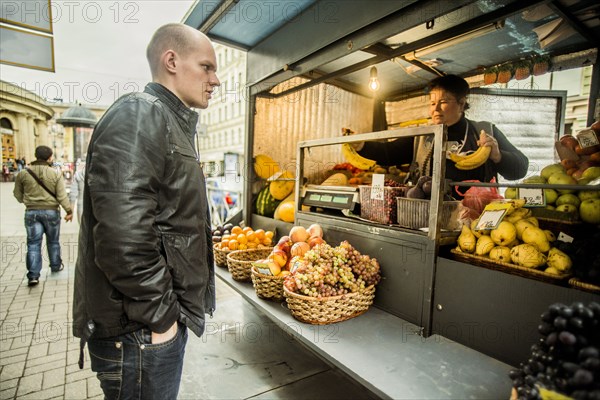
{"x": 276, "y": 198}
{"x": 298, "y": 242}
{"x": 518, "y": 239}
{"x": 583, "y": 204}
{"x": 229, "y": 237}
{"x": 566, "y": 361}
{"x": 326, "y": 271}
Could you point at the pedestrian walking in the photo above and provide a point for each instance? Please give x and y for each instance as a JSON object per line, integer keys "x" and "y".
{"x": 42, "y": 190}
{"x": 76, "y": 192}
{"x": 5, "y": 173}
{"x": 145, "y": 267}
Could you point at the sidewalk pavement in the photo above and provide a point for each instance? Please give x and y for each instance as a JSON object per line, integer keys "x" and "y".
{"x": 241, "y": 355}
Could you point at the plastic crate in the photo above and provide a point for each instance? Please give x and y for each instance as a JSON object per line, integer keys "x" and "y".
{"x": 414, "y": 213}
{"x": 382, "y": 211}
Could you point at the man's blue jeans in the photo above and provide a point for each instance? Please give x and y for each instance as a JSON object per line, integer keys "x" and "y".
{"x": 130, "y": 367}
{"x": 38, "y": 223}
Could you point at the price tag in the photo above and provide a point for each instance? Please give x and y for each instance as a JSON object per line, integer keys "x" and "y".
{"x": 377, "y": 187}
{"x": 587, "y": 138}
{"x": 490, "y": 219}
{"x": 532, "y": 197}
{"x": 563, "y": 237}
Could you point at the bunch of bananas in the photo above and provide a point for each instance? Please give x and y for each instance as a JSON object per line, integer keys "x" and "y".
{"x": 356, "y": 159}
{"x": 473, "y": 160}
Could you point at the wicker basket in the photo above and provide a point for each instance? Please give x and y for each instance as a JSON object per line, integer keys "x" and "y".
{"x": 239, "y": 262}
{"x": 414, "y": 213}
{"x": 267, "y": 287}
{"x": 588, "y": 287}
{"x": 328, "y": 310}
{"x": 220, "y": 256}
{"x": 514, "y": 269}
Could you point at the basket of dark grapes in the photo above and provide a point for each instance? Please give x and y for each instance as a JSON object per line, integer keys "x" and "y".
{"x": 331, "y": 284}
{"x": 382, "y": 210}
{"x": 565, "y": 363}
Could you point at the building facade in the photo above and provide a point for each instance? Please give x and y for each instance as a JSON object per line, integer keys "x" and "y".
{"x": 221, "y": 131}
{"x": 24, "y": 120}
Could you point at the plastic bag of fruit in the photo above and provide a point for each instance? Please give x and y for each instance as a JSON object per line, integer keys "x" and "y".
{"x": 477, "y": 197}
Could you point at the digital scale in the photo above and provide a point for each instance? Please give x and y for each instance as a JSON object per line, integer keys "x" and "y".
{"x": 332, "y": 197}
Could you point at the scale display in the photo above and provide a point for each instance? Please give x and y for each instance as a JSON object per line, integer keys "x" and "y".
{"x": 339, "y": 201}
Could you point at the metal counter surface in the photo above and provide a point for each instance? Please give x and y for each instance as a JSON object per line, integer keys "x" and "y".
{"x": 386, "y": 355}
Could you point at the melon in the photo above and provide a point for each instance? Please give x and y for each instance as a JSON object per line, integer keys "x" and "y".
{"x": 265, "y": 203}
{"x": 265, "y": 166}
{"x": 282, "y": 187}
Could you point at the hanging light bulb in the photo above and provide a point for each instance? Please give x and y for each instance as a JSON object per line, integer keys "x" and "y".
{"x": 373, "y": 81}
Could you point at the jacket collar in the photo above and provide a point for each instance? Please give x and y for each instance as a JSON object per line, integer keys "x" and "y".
{"x": 173, "y": 102}
{"x": 40, "y": 162}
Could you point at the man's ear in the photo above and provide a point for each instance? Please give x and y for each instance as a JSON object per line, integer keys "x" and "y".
{"x": 169, "y": 61}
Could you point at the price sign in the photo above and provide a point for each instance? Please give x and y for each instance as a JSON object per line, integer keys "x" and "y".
{"x": 532, "y": 197}
{"x": 490, "y": 219}
{"x": 587, "y": 138}
{"x": 563, "y": 237}
{"x": 377, "y": 187}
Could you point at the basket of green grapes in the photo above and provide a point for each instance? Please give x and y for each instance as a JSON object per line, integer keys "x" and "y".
{"x": 331, "y": 284}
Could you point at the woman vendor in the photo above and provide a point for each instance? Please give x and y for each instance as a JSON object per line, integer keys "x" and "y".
{"x": 448, "y": 103}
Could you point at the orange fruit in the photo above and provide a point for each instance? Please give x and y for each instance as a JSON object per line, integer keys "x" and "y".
{"x": 267, "y": 241}
{"x": 233, "y": 244}
{"x": 269, "y": 234}
{"x": 251, "y": 236}
{"x": 247, "y": 229}
{"x": 243, "y": 246}
{"x": 236, "y": 230}
{"x": 260, "y": 234}
{"x": 252, "y": 245}
{"x": 225, "y": 237}
{"x": 242, "y": 238}
{"x": 224, "y": 244}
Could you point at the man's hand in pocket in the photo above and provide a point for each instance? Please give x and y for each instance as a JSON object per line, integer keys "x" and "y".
{"x": 158, "y": 338}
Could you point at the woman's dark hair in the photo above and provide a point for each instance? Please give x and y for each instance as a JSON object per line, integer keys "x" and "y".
{"x": 453, "y": 84}
{"x": 43, "y": 153}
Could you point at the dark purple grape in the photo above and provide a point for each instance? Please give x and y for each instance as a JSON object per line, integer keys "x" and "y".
{"x": 588, "y": 352}
{"x": 591, "y": 364}
{"x": 576, "y": 322}
{"x": 555, "y": 308}
{"x": 583, "y": 377}
{"x": 570, "y": 367}
{"x": 546, "y": 316}
{"x": 545, "y": 328}
{"x": 567, "y": 338}
{"x": 560, "y": 323}
{"x": 551, "y": 339}
{"x": 566, "y": 312}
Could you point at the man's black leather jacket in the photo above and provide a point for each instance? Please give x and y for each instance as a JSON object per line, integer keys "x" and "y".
{"x": 145, "y": 256}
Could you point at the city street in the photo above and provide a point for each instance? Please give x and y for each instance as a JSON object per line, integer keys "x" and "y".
{"x": 242, "y": 354}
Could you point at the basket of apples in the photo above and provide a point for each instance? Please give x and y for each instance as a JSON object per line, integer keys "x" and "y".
{"x": 268, "y": 274}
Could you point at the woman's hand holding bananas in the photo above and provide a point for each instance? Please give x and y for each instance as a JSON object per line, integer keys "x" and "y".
{"x": 487, "y": 140}
{"x": 487, "y": 146}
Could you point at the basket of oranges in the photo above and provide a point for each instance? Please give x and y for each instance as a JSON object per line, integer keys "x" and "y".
{"x": 228, "y": 238}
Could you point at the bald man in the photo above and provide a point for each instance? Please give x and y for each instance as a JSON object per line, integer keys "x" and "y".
{"x": 145, "y": 270}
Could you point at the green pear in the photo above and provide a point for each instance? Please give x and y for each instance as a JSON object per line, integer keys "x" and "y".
{"x": 484, "y": 245}
{"x": 504, "y": 234}
{"x": 591, "y": 173}
{"x": 551, "y": 195}
{"x": 550, "y": 170}
{"x": 510, "y": 193}
{"x": 569, "y": 209}
{"x": 568, "y": 198}
{"x": 536, "y": 237}
{"x": 562, "y": 179}
{"x": 588, "y": 194}
{"x": 589, "y": 211}
{"x": 537, "y": 178}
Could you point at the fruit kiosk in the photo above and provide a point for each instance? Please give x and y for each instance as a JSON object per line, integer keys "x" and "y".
{"x": 455, "y": 304}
